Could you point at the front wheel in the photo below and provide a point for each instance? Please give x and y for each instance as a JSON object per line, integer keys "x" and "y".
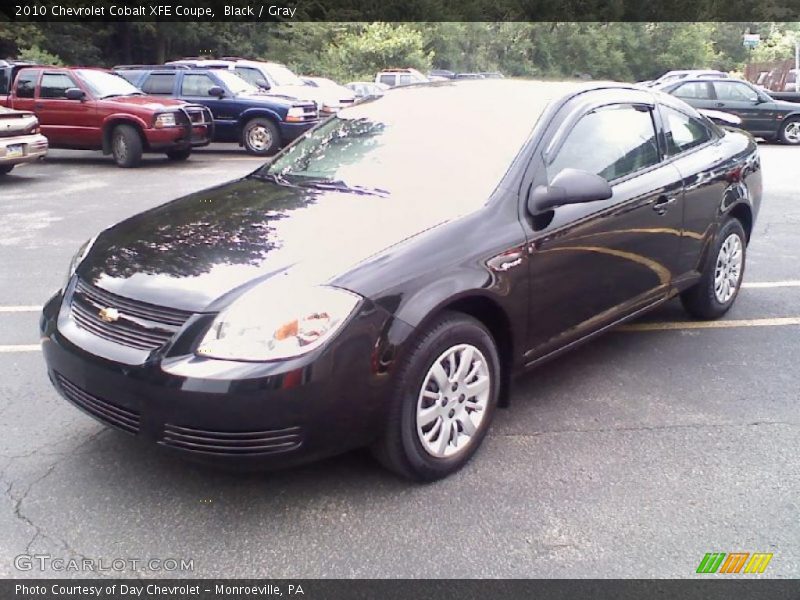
{"x": 126, "y": 146}
{"x": 714, "y": 294}
{"x": 261, "y": 137}
{"x": 444, "y": 399}
{"x": 790, "y": 132}
{"x": 179, "y": 154}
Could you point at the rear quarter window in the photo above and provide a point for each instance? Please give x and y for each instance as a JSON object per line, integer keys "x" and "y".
{"x": 25, "y": 86}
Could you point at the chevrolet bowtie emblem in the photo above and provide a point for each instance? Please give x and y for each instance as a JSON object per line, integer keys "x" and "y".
{"x": 108, "y": 314}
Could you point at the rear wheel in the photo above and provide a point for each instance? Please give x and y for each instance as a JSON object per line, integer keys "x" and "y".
{"x": 790, "y": 132}
{"x": 179, "y": 154}
{"x": 714, "y": 294}
{"x": 126, "y": 146}
{"x": 261, "y": 137}
{"x": 4, "y": 169}
{"x": 443, "y": 402}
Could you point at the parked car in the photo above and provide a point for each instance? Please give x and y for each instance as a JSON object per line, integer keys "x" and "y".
{"x": 763, "y": 116}
{"x": 673, "y": 76}
{"x": 367, "y": 89}
{"x": 93, "y": 109}
{"x": 345, "y": 95}
{"x": 277, "y": 79}
{"x": 262, "y": 123}
{"x": 470, "y": 76}
{"x": 20, "y": 139}
{"x": 441, "y": 73}
{"x": 400, "y": 77}
{"x": 363, "y": 289}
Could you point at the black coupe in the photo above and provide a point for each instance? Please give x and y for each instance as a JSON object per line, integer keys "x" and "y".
{"x": 380, "y": 281}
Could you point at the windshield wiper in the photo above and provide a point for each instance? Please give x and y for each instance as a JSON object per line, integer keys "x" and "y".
{"x": 340, "y": 186}
{"x": 272, "y": 177}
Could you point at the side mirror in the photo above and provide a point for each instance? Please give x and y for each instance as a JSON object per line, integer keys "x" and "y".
{"x": 263, "y": 85}
{"x": 570, "y": 186}
{"x": 75, "y": 94}
{"x": 216, "y": 91}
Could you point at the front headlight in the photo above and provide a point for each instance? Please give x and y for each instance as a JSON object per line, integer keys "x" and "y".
{"x": 268, "y": 324}
{"x": 165, "y": 120}
{"x": 330, "y": 107}
{"x": 296, "y": 114}
{"x": 77, "y": 258}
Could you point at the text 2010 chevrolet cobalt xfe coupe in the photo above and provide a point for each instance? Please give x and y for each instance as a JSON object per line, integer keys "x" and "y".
{"x": 378, "y": 283}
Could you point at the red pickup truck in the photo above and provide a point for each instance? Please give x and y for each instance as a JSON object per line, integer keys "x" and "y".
{"x": 93, "y": 109}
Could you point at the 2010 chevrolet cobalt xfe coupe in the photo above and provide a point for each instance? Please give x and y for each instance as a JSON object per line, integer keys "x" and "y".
{"x": 381, "y": 280}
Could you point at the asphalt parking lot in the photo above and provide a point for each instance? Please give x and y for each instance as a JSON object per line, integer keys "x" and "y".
{"x": 630, "y": 457}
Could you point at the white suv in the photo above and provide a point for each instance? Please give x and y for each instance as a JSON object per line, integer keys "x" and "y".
{"x": 397, "y": 77}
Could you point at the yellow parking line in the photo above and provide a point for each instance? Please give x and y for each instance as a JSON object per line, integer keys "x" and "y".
{"x": 725, "y": 324}
{"x": 20, "y": 348}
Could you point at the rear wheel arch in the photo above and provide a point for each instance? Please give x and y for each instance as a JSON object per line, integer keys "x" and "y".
{"x": 744, "y": 214}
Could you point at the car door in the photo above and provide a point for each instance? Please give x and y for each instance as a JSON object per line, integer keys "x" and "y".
{"x": 25, "y": 89}
{"x": 195, "y": 87}
{"x": 65, "y": 122}
{"x": 695, "y": 149}
{"x": 699, "y": 94}
{"x": 592, "y": 264}
{"x": 738, "y": 98}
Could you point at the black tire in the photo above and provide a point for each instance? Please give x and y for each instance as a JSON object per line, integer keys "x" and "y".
{"x": 790, "y": 132}
{"x": 126, "y": 146}
{"x": 261, "y": 137}
{"x": 401, "y": 449}
{"x": 701, "y": 300}
{"x": 179, "y": 154}
{"x": 5, "y": 169}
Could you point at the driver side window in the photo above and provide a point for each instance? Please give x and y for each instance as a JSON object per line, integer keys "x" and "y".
{"x": 612, "y": 141}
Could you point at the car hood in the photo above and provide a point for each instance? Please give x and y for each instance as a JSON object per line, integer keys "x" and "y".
{"x": 204, "y": 247}
{"x": 149, "y": 102}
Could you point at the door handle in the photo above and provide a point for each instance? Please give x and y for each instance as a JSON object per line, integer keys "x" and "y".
{"x": 663, "y": 203}
{"x": 720, "y": 104}
{"x": 38, "y": 105}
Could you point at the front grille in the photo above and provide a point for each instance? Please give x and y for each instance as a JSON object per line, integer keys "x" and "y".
{"x": 347, "y": 101}
{"x": 116, "y": 416}
{"x": 239, "y": 443}
{"x": 138, "y": 324}
{"x": 310, "y": 112}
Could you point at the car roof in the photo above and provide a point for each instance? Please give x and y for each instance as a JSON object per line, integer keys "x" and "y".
{"x": 524, "y": 99}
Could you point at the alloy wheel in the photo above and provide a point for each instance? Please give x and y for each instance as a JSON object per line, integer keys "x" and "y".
{"x": 452, "y": 401}
{"x": 792, "y": 132}
{"x": 728, "y": 268}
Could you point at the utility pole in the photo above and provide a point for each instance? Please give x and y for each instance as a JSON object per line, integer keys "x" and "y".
{"x": 797, "y": 64}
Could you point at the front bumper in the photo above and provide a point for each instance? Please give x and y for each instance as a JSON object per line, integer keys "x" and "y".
{"x": 195, "y": 129}
{"x": 292, "y": 131}
{"x": 250, "y": 415}
{"x": 32, "y": 147}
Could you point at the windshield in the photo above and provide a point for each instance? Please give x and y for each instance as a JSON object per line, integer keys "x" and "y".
{"x": 234, "y": 83}
{"x": 433, "y": 143}
{"x": 282, "y": 76}
{"x": 105, "y": 85}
